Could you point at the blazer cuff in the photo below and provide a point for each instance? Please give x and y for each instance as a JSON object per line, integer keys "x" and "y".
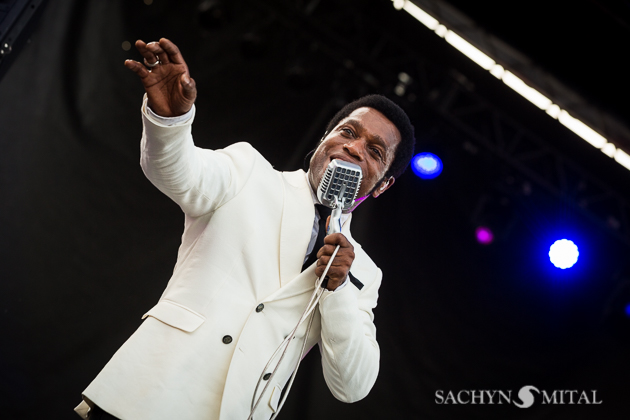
{"x": 181, "y": 120}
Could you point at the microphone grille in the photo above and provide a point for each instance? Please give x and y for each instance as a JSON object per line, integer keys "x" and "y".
{"x": 341, "y": 179}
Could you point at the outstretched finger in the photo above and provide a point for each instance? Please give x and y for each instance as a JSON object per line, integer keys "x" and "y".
{"x": 173, "y": 52}
{"x": 148, "y": 55}
{"x": 137, "y": 68}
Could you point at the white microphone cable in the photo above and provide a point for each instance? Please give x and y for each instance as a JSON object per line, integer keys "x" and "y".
{"x": 312, "y": 304}
{"x": 337, "y": 189}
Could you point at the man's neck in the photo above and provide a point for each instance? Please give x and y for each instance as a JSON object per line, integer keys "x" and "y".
{"x": 311, "y": 188}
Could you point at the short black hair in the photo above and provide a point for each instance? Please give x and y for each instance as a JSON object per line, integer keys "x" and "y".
{"x": 394, "y": 113}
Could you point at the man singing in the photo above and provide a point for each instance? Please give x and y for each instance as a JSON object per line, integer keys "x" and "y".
{"x": 252, "y": 249}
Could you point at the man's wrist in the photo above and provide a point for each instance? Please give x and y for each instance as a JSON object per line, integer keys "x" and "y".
{"x": 169, "y": 121}
{"x": 341, "y": 286}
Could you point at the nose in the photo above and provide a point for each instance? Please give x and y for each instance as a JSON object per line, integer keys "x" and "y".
{"x": 354, "y": 148}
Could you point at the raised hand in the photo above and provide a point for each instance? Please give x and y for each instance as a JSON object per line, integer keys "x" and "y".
{"x": 170, "y": 89}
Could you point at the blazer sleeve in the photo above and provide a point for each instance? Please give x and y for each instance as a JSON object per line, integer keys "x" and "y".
{"x": 350, "y": 353}
{"x": 198, "y": 180}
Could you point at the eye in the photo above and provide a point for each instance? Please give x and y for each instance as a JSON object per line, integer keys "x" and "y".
{"x": 377, "y": 152}
{"x": 347, "y": 131}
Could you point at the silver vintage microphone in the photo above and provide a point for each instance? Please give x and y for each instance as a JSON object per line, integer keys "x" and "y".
{"x": 338, "y": 189}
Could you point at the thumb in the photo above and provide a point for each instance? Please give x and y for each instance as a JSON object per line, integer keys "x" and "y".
{"x": 188, "y": 86}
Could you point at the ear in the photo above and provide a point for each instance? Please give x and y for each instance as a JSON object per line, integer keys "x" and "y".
{"x": 385, "y": 185}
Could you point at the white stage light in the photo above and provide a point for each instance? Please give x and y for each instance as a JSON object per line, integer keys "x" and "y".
{"x": 554, "y": 111}
{"x": 563, "y": 253}
{"x": 581, "y": 129}
{"x": 404, "y": 77}
{"x": 622, "y": 158}
{"x": 469, "y": 50}
{"x": 441, "y": 31}
{"x": 529, "y": 93}
{"x": 609, "y": 149}
{"x": 422, "y": 16}
{"x": 497, "y": 71}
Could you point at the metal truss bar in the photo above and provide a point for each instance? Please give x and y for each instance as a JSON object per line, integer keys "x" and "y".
{"x": 617, "y": 207}
{"x": 508, "y": 57}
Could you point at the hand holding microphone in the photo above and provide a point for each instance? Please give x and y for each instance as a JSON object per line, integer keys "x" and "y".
{"x": 340, "y": 266}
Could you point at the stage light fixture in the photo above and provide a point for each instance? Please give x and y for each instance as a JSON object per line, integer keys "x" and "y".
{"x": 426, "y": 165}
{"x": 581, "y": 129}
{"x": 529, "y": 93}
{"x": 554, "y": 111}
{"x": 469, "y": 50}
{"x": 622, "y": 158}
{"x": 422, "y": 16}
{"x": 517, "y": 84}
{"x": 484, "y": 235}
{"x": 563, "y": 253}
{"x": 627, "y": 310}
{"x": 497, "y": 71}
{"x": 609, "y": 149}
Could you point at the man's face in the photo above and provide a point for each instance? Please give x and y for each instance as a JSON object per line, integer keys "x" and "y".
{"x": 366, "y": 138}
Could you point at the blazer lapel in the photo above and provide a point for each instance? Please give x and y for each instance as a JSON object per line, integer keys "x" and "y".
{"x": 305, "y": 281}
{"x": 297, "y": 223}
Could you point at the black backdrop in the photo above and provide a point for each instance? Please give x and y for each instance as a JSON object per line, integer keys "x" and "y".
{"x": 88, "y": 244}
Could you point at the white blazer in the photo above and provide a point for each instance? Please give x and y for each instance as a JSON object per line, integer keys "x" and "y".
{"x": 200, "y": 351}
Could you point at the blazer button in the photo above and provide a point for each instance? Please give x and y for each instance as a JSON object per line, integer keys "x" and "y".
{"x": 267, "y": 376}
{"x": 260, "y": 307}
{"x": 227, "y": 339}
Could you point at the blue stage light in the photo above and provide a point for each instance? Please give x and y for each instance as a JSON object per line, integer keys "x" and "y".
{"x": 426, "y": 165}
{"x": 628, "y": 310}
{"x": 563, "y": 253}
